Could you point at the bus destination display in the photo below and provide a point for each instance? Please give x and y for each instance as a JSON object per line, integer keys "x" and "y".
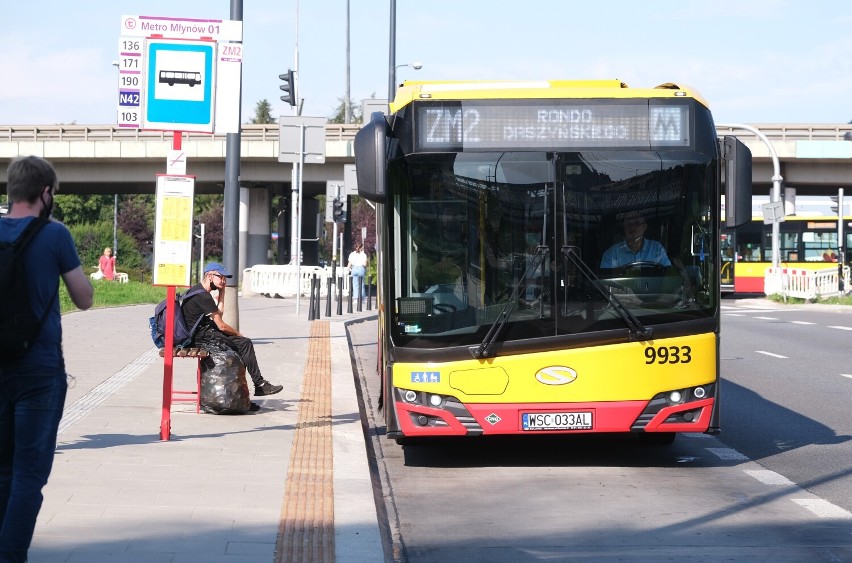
{"x": 457, "y": 126}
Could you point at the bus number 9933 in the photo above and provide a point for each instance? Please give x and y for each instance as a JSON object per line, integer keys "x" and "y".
{"x": 668, "y": 355}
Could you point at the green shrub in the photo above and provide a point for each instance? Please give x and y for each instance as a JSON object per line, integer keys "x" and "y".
{"x": 92, "y": 238}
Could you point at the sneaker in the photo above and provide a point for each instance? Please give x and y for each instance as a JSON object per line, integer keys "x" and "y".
{"x": 267, "y": 388}
{"x": 254, "y": 407}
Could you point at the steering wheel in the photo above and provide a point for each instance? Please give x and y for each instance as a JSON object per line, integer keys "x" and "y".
{"x": 444, "y": 308}
{"x": 644, "y": 267}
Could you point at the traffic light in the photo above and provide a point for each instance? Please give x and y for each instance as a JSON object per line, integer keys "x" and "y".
{"x": 289, "y": 87}
{"x": 834, "y": 205}
{"x": 338, "y": 211}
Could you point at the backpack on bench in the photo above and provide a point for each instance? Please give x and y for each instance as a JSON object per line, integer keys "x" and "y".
{"x": 182, "y": 333}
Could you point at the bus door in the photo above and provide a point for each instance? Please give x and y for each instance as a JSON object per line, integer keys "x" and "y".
{"x": 728, "y": 245}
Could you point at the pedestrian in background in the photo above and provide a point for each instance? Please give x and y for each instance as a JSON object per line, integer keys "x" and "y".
{"x": 106, "y": 264}
{"x": 358, "y": 269}
{"x": 33, "y": 388}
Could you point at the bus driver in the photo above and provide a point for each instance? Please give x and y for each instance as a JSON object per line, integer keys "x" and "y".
{"x": 635, "y": 247}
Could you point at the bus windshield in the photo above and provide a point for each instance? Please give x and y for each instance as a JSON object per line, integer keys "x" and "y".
{"x": 546, "y": 244}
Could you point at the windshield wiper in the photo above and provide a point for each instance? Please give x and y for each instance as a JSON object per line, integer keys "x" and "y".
{"x": 486, "y": 348}
{"x": 637, "y": 332}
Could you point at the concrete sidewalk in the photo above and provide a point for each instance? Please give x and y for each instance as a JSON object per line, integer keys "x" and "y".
{"x": 290, "y": 482}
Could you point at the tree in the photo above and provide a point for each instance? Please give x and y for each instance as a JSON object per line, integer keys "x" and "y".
{"x": 362, "y": 215}
{"x": 262, "y": 113}
{"x": 136, "y": 218}
{"x": 73, "y": 209}
{"x": 214, "y": 227}
{"x": 339, "y": 115}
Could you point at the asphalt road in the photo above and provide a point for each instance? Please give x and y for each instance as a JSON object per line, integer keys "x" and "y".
{"x": 567, "y": 498}
{"x": 787, "y": 394}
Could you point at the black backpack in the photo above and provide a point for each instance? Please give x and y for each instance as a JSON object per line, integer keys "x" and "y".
{"x": 19, "y": 326}
{"x": 182, "y": 333}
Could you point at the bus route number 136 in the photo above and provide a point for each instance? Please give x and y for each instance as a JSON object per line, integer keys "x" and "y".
{"x": 668, "y": 354}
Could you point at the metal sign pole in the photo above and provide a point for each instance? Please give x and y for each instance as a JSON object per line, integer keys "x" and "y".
{"x": 299, "y": 217}
{"x": 841, "y": 244}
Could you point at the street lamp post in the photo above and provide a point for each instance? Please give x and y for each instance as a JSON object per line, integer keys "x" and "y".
{"x": 117, "y": 66}
{"x": 775, "y": 196}
{"x": 415, "y": 66}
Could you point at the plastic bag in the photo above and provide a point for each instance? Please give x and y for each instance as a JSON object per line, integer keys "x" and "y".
{"x": 223, "y": 384}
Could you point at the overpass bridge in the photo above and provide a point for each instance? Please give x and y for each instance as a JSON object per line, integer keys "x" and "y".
{"x": 815, "y": 159}
{"x": 106, "y": 159}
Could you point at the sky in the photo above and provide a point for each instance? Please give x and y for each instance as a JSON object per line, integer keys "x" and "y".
{"x": 755, "y": 61}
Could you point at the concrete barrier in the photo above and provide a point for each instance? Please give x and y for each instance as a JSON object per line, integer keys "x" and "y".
{"x": 284, "y": 281}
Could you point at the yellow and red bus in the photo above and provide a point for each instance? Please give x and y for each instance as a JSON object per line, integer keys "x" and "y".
{"x": 805, "y": 242}
{"x": 495, "y": 204}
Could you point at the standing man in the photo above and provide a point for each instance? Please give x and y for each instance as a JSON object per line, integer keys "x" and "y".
{"x": 32, "y": 388}
{"x": 213, "y": 329}
{"x": 358, "y": 269}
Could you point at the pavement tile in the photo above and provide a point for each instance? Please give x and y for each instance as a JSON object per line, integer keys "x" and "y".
{"x": 215, "y": 491}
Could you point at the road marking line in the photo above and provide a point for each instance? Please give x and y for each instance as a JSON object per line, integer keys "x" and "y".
{"x": 841, "y": 327}
{"x": 823, "y": 508}
{"x": 846, "y": 375}
{"x": 768, "y": 477}
{"x": 802, "y": 323}
{"x": 728, "y": 454}
{"x": 734, "y": 315}
{"x": 771, "y": 354}
{"x": 767, "y": 318}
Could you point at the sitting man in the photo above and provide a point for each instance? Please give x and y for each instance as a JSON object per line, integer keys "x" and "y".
{"x": 635, "y": 247}
{"x": 216, "y": 331}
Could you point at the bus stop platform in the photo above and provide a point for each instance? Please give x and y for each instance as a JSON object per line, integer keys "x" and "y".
{"x": 290, "y": 482}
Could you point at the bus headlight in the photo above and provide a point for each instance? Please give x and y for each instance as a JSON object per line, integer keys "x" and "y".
{"x": 675, "y": 397}
{"x": 435, "y": 400}
{"x": 410, "y": 396}
{"x": 699, "y": 392}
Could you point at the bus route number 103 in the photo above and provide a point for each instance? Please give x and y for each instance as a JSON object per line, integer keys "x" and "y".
{"x": 668, "y": 354}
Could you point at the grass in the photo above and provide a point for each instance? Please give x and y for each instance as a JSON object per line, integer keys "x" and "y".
{"x": 845, "y": 300}
{"x": 112, "y": 294}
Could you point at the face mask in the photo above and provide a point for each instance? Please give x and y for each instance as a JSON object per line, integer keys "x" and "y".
{"x": 47, "y": 208}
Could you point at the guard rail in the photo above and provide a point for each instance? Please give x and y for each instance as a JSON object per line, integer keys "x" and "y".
{"x": 346, "y": 132}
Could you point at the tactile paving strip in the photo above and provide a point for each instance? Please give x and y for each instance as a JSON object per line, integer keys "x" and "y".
{"x": 306, "y": 527}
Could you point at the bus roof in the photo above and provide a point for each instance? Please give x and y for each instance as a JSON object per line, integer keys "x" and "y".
{"x": 412, "y": 90}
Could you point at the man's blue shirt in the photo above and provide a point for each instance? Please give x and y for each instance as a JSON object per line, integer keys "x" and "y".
{"x": 620, "y": 254}
{"x": 51, "y": 254}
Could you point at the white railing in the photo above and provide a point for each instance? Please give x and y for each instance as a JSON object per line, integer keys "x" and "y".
{"x": 346, "y": 132}
{"x": 283, "y": 281}
{"x": 249, "y": 132}
{"x": 805, "y": 284}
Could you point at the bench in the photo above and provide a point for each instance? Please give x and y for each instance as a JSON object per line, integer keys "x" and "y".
{"x": 192, "y": 396}
{"x": 120, "y": 277}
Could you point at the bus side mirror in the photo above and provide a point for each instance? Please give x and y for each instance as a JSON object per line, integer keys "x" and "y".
{"x": 737, "y": 158}
{"x": 371, "y": 159}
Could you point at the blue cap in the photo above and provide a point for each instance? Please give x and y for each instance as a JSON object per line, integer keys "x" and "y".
{"x": 218, "y": 268}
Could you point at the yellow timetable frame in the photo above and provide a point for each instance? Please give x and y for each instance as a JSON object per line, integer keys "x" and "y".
{"x": 173, "y": 230}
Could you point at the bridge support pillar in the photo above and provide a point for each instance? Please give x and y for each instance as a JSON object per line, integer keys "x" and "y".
{"x": 254, "y": 226}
